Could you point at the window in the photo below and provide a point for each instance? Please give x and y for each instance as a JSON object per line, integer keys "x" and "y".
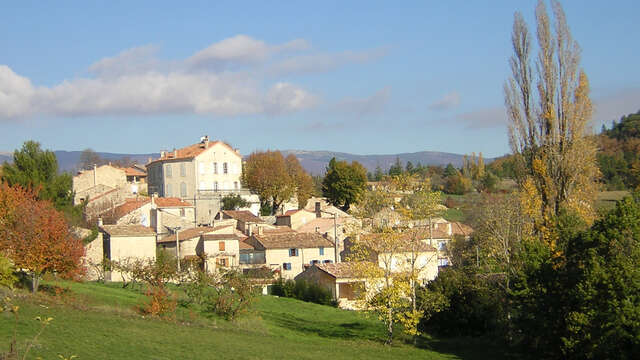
{"x": 221, "y": 246}
{"x": 286, "y": 266}
{"x": 215, "y": 185}
{"x": 293, "y": 252}
{"x": 169, "y": 193}
{"x": 235, "y": 185}
{"x": 222, "y": 262}
{"x": 215, "y": 167}
{"x": 183, "y": 212}
{"x": 443, "y": 262}
{"x": 313, "y": 262}
{"x": 183, "y": 189}
{"x": 321, "y": 251}
{"x": 225, "y": 168}
{"x": 167, "y": 170}
{"x": 442, "y": 245}
{"x": 327, "y": 261}
{"x": 183, "y": 169}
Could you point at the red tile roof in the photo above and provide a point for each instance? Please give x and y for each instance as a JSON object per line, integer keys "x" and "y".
{"x": 223, "y": 237}
{"x": 243, "y": 215}
{"x": 192, "y": 233}
{"x": 458, "y": 228}
{"x": 348, "y": 270}
{"x": 131, "y": 171}
{"x": 191, "y": 151}
{"x": 244, "y": 246}
{"x": 279, "y": 239}
{"x": 171, "y": 202}
{"x": 129, "y": 206}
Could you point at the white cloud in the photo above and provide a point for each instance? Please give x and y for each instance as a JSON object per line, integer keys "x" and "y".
{"x": 485, "y": 118}
{"x": 15, "y": 93}
{"x": 370, "y": 105}
{"x": 448, "y": 101}
{"x": 131, "y": 61}
{"x": 242, "y": 49}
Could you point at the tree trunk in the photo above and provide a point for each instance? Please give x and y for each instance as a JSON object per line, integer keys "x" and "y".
{"x": 35, "y": 283}
{"x": 389, "y": 325}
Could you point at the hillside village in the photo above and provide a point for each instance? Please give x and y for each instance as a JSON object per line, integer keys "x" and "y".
{"x": 173, "y": 204}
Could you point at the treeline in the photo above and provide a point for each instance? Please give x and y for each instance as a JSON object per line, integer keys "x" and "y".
{"x": 619, "y": 153}
{"x": 473, "y": 175}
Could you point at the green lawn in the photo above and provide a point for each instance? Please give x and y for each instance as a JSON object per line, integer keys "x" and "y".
{"x": 96, "y": 321}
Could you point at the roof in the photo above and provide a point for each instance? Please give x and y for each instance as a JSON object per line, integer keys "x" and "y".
{"x": 458, "y": 228}
{"x": 129, "y": 206}
{"x": 128, "y": 230}
{"x": 191, "y": 151}
{"x": 340, "y": 270}
{"x": 131, "y": 171}
{"x": 223, "y": 237}
{"x": 171, "y": 202}
{"x": 243, "y": 215}
{"x": 245, "y": 246}
{"x": 322, "y": 224}
{"x": 191, "y": 233}
{"x": 101, "y": 195}
{"x": 280, "y": 239}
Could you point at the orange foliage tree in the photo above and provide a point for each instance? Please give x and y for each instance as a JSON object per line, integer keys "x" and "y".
{"x": 35, "y": 236}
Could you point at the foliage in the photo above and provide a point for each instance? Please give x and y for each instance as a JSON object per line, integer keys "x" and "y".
{"x": 35, "y": 236}
{"x": 457, "y": 184}
{"x": 36, "y": 169}
{"x": 619, "y": 155}
{"x": 7, "y": 276}
{"x": 276, "y": 179}
{"x": 344, "y": 183}
{"x": 302, "y": 290}
{"x": 555, "y": 161}
{"x": 89, "y": 158}
{"x": 234, "y": 202}
{"x": 228, "y": 294}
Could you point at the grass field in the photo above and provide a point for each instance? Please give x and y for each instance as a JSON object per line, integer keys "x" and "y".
{"x": 97, "y": 321}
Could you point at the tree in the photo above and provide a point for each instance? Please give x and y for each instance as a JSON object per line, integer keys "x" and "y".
{"x": 234, "y": 202}
{"x": 276, "y": 179}
{"x": 450, "y": 170}
{"x": 378, "y": 174}
{"x": 396, "y": 168}
{"x": 556, "y": 165}
{"x": 344, "y": 183}
{"x": 89, "y": 158}
{"x": 35, "y": 236}
{"x": 303, "y": 181}
{"x": 36, "y": 169}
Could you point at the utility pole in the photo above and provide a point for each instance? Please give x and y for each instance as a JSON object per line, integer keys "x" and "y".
{"x": 177, "y": 231}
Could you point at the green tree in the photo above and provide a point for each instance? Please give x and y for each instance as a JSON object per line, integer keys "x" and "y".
{"x": 36, "y": 169}
{"x": 396, "y": 169}
{"x": 234, "y": 202}
{"x": 378, "y": 174}
{"x": 450, "y": 170}
{"x": 344, "y": 184}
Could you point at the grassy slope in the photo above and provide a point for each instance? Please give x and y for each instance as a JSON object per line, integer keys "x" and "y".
{"x": 96, "y": 321}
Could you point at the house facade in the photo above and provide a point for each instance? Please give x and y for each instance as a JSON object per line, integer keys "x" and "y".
{"x": 123, "y": 243}
{"x": 203, "y": 172}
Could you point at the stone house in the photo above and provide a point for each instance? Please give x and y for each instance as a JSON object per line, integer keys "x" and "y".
{"x": 246, "y": 221}
{"x": 93, "y": 182}
{"x": 124, "y": 243}
{"x": 285, "y": 250}
{"x": 203, "y": 173}
{"x": 295, "y": 218}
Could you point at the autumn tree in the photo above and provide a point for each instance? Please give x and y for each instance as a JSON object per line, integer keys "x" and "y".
{"x": 344, "y": 183}
{"x": 276, "y": 179}
{"x": 35, "y": 236}
{"x": 549, "y": 108}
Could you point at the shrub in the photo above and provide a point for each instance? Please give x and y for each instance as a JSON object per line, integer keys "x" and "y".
{"x": 302, "y": 290}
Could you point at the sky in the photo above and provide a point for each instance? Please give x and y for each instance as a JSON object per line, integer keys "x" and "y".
{"x": 365, "y": 77}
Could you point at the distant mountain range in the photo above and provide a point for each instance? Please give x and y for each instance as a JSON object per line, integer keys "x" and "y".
{"x": 315, "y": 162}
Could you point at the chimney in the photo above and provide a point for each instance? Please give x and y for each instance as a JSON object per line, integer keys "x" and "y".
{"x": 318, "y": 211}
{"x": 163, "y": 153}
{"x": 175, "y": 153}
{"x": 100, "y": 222}
{"x": 153, "y": 199}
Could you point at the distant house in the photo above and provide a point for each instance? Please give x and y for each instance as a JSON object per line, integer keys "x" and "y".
{"x": 122, "y": 243}
{"x": 247, "y": 223}
{"x": 295, "y": 218}
{"x": 96, "y": 181}
{"x": 156, "y": 212}
{"x": 341, "y": 279}
{"x": 285, "y": 250}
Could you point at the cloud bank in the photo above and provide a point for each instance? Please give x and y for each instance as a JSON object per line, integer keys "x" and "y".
{"x": 448, "y": 101}
{"x": 232, "y": 77}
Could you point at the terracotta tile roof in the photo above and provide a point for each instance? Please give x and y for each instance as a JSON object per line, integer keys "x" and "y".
{"x": 223, "y": 237}
{"x": 244, "y": 246}
{"x": 129, "y": 206}
{"x": 191, "y": 151}
{"x": 131, "y": 171}
{"x": 323, "y": 225}
{"x": 171, "y": 202}
{"x": 288, "y": 239}
{"x": 342, "y": 270}
{"x": 458, "y": 228}
{"x": 128, "y": 230}
{"x": 187, "y": 234}
{"x": 243, "y": 215}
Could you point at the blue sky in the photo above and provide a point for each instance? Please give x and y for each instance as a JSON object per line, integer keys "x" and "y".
{"x": 364, "y": 77}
